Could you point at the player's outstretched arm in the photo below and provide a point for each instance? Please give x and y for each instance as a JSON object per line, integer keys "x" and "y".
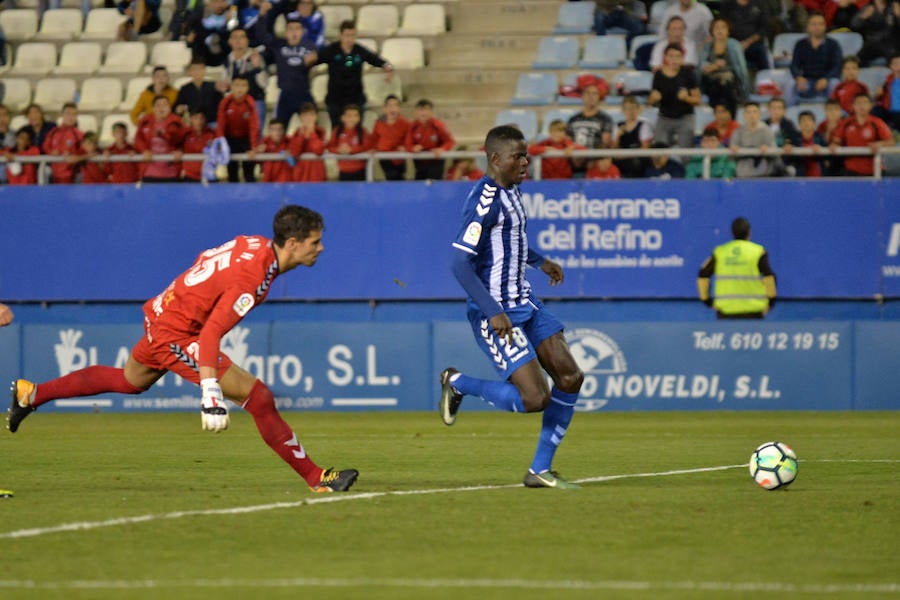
{"x": 213, "y": 411}
{"x": 554, "y": 270}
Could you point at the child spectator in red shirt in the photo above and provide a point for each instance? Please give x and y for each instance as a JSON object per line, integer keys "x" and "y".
{"x": 861, "y": 130}
{"x": 195, "y": 142}
{"x": 557, "y": 167}
{"x": 350, "y": 137}
{"x": 603, "y": 168}
{"x": 464, "y": 169}
{"x": 276, "y": 171}
{"x": 121, "y": 172}
{"x": 388, "y": 135}
{"x": 22, "y": 173}
{"x": 427, "y": 134}
{"x": 160, "y": 132}
{"x": 850, "y": 86}
{"x": 92, "y": 172}
{"x": 238, "y": 123}
{"x": 309, "y": 137}
{"x": 65, "y": 140}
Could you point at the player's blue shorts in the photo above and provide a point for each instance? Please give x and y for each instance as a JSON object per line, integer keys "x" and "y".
{"x": 532, "y": 324}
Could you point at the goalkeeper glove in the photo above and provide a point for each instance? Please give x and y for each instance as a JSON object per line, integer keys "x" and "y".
{"x": 213, "y": 412}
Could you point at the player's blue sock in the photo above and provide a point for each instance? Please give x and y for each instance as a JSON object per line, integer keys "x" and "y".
{"x": 556, "y": 419}
{"x": 501, "y": 394}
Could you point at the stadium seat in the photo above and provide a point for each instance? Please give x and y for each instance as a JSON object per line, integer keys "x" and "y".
{"x": 783, "y": 48}
{"x": 523, "y": 118}
{"x": 334, "y": 15}
{"x": 368, "y": 44}
{"x": 87, "y": 123}
{"x": 51, "y": 93}
{"x": 60, "y": 24}
{"x": 603, "y": 52}
{"x": 319, "y": 88}
{"x": 575, "y": 17}
{"x": 174, "y": 56}
{"x": 124, "y": 58}
{"x": 377, "y": 89}
{"x": 423, "y": 19}
{"x": 615, "y": 113}
{"x": 640, "y": 40}
{"x": 850, "y": 41}
{"x": 556, "y": 53}
{"x": 272, "y": 92}
{"x": 535, "y": 89}
{"x": 78, "y": 58}
{"x": 16, "y": 93}
{"x": 18, "y": 122}
{"x": 781, "y": 77}
{"x": 100, "y": 94}
{"x": 651, "y": 114}
{"x": 633, "y": 82}
{"x": 404, "y": 52}
{"x": 102, "y": 24}
{"x": 133, "y": 90}
{"x": 106, "y": 137}
{"x": 703, "y": 116}
{"x": 563, "y": 114}
{"x": 571, "y": 79}
{"x": 19, "y": 24}
{"x": 793, "y": 112}
{"x": 34, "y": 58}
{"x": 874, "y": 78}
{"x": 377, "y": 20}
{"x": 655, "y": 24}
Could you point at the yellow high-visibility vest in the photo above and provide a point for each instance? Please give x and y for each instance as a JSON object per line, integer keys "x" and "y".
{"x": 738, "y": 283}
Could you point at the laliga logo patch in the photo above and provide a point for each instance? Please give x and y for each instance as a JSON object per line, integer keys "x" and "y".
{"x": 473, "y": 234}
{"x": 243, "y": 304}
{"x": 596, "y": 354}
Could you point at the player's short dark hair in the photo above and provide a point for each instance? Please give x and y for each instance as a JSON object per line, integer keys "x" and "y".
{"x": 500, "y": 136}
{"x": 295, "y": 221}
{"x": 740, "y": 228}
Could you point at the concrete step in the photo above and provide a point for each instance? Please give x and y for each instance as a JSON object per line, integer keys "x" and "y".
{"x": 507, "y": 16}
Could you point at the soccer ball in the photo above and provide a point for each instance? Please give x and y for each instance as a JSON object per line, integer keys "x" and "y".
{"x": 773, "y": 465}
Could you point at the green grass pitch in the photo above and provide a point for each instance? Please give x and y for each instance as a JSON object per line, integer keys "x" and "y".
{"x": 149, "y": 506}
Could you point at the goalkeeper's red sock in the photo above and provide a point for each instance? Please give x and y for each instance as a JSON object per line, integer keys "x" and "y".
{"x": 84, "y": 382}
{"x": 278, "y": 434}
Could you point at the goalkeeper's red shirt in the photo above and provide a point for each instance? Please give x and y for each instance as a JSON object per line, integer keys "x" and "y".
{"x": 212, "y": 296}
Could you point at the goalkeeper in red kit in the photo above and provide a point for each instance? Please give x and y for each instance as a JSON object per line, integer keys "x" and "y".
{"x": 183, "y": 327}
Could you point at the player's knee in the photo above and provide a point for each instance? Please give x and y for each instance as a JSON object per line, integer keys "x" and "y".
{"x": 571, "y": 382}
{"x": 536, "y": 402}
{"x": 260, "y": 401}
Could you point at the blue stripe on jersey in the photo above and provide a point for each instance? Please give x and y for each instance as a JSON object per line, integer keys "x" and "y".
{"x": 493, "y": 232}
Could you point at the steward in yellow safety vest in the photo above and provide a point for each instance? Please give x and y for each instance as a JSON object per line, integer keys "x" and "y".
{"x": 745, "y": 282}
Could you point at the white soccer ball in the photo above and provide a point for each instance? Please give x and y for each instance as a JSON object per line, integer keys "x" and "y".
{"x": 773, "y": 465}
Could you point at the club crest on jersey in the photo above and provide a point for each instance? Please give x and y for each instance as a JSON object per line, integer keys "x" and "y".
{"x": 243, "y": 304}
{"x": 473, "y": 234}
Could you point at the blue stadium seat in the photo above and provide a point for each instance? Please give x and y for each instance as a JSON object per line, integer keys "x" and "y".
{"x": 563, "y": 114}
{"x": 535, "y": 89}
{"x": 874, "y": 78}
{"x": 703, "y": 116}
{"x": 603, "y": 52}
{"x": 634, "y": 82}
{"x": 783, "y": 47}
{"x": 781, "y": 77}
{"x": 850, "y": 41}
{"x": 525, "y": 119}
{"x": 556, "y": 53}
{"x": 572, "y": 80}
{"x": 575, "y": 17}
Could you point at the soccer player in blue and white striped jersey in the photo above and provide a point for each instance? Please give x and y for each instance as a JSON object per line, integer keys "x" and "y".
{"x": 513, "y": 328}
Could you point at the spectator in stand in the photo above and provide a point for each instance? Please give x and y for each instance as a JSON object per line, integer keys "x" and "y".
{"x": 65, "y": 140}
{"x": 630, "y": 15}
{"x": 388, "y": 135}
{"x": 592, "y": 128}
{"x": 676, "y": 92}
{"x": 754, "y": 134}
{"x": 696, "y": 17}
{"x": 802, "y": 9}
{"x": 293, "y": 59}
{"x": 557, "y": 167}
{"x": 144, "y": 12}
{"x": 350, "y": 137}
{"x": 304, "y": 11}
{"x": 309, "y": 138}
{"x": 208, "y": 31}
{"x": 428, "y": 134}
{"x": 276, "y": 171}
{"x": 888, "y": 96}
{"x": 850, "y": 86}
{"x": 7, "y": 137}
{"x": 749, "y": 21}
{"x": 22, "y": 173}
{"x": 879, "y": 24}
{"x": 832, "y": 165}
{"x": 91, "y": 171}
{"x": 786, "y": 132}
{"x": 840, "y": 13}
{"x": 633, "y": 132}
{"x": 198, "y": 94}
{"x": 197, "y": 138}
{"x": 37, "y": 126}
{"x": 238, "y": 123}
{"x": 147, "y": 100}
{"x": 723, "y": 124}
{"x": 464, "y": 169}
{"x": 121, "y": 172}
{"x": 816, "y": 62}
{"x": 345, "y": 60}
{"x": 809, "y": 166}
{"x": 724, "y": 77}
{"x": 720, "y": 167}
{"x": 242, "y": 60}
{"x": 160, "y": 132}
{"x": 661, "y": 167}
{"x": 603, "y": 168}
{"x": 861, "y": 130}
{"x": 674, "y": 35}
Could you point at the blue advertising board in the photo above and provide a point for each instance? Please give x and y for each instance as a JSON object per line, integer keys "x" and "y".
{"x": 877, "y": 365}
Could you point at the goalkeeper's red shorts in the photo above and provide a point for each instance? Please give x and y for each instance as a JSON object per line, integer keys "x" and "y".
{"x": 165, "y": 350}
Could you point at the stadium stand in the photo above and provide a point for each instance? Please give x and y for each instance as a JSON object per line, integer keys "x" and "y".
{"x": 535, "y": 89}
{"x": 575, "y": 17}
{"x": 101, "y": 94}
{"x": 19, "y": 24}
{"x": 124, "y": 58}
{"x": 525, "y": 119}
{"x": 563, "y": 114}
{"x": 404, "y": 52}
{"x": 334, "y": 15}
{"x": 783, "y": 48}
{"x": 133, "y": 90}
{"x": 780, "y": 77}
{"x": 174, "y": 56}
{"x": 102, "y": 24}
{"x": 873, "y": 77}
{"x": 850, "y": 41}
{"x": 603, "y": 52}
{"x": 377, "y": 20}
{"x": 106, "y": 125}
{"x": 60, "y": 24}
{"x": 34, "y": 59}
{"x": 423, "y": 19}
{"x": 377, "y": 88}
{"x": 87, "y": 123}
{"x": 638, "y": 41}
{"x": 556, "y": 53}
{"x": 16, "y": 93}
{"x": 78, "y": 58}
{"x": 633, "y": 82}
{"x": 51, "y": 93}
